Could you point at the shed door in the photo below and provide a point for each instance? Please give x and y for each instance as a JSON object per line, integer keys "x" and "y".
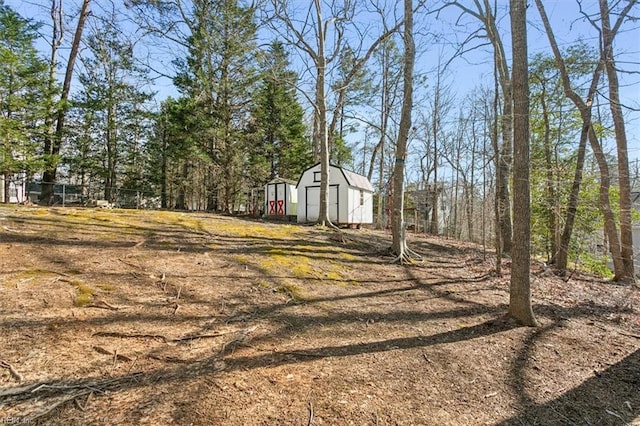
{"x": 271, "y": 199}
{"x": 313, "y": 203}
{"x": 277, "y": 199}
{"x": 281, "y": 198}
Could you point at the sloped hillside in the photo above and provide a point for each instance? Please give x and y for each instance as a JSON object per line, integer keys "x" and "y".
{"x": 144, "y": 317}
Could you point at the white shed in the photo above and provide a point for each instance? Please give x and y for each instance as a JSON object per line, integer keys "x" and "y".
{"x": 350, "y": 196}
{"x": 281, "y": 198}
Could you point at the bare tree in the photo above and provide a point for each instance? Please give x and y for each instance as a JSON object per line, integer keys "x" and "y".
{"x": 399, "y": 245}
{"x": 52, "y": 144}
{"x": 626, "y": 237}
{"x": 302, "y": 34}
{"x": 519, "y": 290}
{"x": 584, "y": 106}
{"x": 484, "y": 13}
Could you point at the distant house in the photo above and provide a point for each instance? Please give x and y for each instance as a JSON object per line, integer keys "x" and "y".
{"x": 13, "y": 188}
{"x": 281, "y": 199}
{"x": 350, "y": 196}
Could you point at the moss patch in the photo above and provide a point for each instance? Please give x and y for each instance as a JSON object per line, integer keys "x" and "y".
{"x": 293, "y": 291}
{"x": 84, "y": 293}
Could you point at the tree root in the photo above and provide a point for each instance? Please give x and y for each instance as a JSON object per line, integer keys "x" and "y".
{"x": 407, "y": 256}
{"x": 14, "y": 373}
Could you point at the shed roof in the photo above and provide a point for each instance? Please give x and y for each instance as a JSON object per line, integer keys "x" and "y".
{"x": 354, "y": 179}
{"x": 282, "y": 180}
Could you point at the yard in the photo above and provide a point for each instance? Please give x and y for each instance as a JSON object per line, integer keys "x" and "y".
{"x": 153, "y": 317}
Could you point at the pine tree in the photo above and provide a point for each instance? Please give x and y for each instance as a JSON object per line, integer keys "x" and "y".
{"x": 218, "y": 76}
{"x": 22, "y": 80}
{"x": 112, "y": 103}
{"x": 276, "y": 134}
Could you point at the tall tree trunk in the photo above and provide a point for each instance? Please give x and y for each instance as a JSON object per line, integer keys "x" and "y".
{"x": 519, "y": 290}
{"x": 381, "y": 186}
{"x": 587, "y": 134}
{"x": 496, "y": 155}
{"x": 552, "y": 219}
{"x": 626, "y": 236}
{"x": 399, "y": 245}
{"x": 434, "y": 227}
{"x": 163, "y": 167}
{"x": 321, "y": 119}
{"x": 52, "y": 145}
{"x": 57, "y": 36}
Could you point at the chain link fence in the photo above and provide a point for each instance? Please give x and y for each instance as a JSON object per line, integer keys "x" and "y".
{"x": 84, "y": 195}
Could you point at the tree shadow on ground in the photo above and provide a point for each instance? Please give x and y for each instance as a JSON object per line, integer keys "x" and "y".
{"x": 610, "y": 397}
{"x": 60, "y": 391}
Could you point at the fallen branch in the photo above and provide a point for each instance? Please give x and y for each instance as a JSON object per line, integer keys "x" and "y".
{"x": 158, "y": 336}
{"x": 310, "y": 422}
{"x": 83, "y": 407}
{"x": 101, "y": 304}
{"x": 133, "y": 265}
{"x": 130, "y": 335}
{"x": 56, "y": 405}
{"x": 198, "y": 336}
{"x": 14, "y": 373}
{"x": 116, "y": 356}
{"x": 172, "y": 359}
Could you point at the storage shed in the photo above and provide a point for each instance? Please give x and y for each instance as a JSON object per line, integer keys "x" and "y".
{"x": 350, "y": 196}
{"x": 281, "y": 199}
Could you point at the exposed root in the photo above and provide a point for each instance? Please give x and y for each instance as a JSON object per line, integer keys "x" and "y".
{"x": 407, "y": 256}
{"x": 14, "y": 373}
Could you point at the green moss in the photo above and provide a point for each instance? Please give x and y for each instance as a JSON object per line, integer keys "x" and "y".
{"x": 85, "y": 293}
{"x": 293, "y": 291}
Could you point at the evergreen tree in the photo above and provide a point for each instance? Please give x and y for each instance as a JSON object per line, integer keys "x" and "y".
{"x": 112, "y": 104}
{"x": 218, "y": 77}
{"x": 22, "y": 81}
{"x": 174, "y": 150}
{"x": 276, "y": 134}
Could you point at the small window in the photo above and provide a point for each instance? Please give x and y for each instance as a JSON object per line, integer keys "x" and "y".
{"x": 361, "y": 197}
{"x": 316, "y": 177}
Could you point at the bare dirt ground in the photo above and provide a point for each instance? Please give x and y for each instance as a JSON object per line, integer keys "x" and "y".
{"x": 140, "y": 317}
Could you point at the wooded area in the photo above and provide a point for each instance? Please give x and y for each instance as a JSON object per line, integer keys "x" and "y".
{"x": 265, "y": 89}
{"x": 500, "y": 202}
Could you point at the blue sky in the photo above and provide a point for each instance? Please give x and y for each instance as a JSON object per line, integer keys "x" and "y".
{"x": 475, "y": 69}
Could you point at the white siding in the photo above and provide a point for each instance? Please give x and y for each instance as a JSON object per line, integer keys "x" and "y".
{"x": 344, "y": 197}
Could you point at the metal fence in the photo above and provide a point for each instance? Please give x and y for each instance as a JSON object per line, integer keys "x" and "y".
{"x": 83, "y": 195}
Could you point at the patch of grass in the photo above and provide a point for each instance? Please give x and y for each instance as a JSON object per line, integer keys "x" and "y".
{"x": 32, "y": 276}
{"x": 32, "y": 273}
{"x": 254, "y": 230}
{"x": 293, "y": 291}
{"x": 333, "y": 275}
{"x": 242, "y": 259}
{"x": 279, "y": 261}
{"x": 85, "y": 293}
{"x": 347, "y": 256}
